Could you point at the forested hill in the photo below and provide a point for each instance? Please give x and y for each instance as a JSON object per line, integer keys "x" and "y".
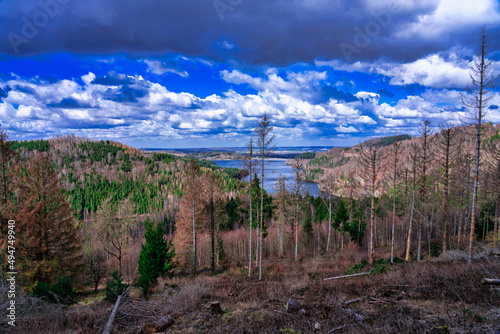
{"x": 92, "y": 171}
{"x": 339, "y": 162}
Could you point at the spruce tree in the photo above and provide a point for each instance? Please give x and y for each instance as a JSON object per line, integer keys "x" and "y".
{"x": 156, "y": 255}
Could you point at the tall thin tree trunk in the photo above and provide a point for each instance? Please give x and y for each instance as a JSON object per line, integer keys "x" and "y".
{"x": 372, "y": 225}
{"x": 408, "y": 244}
{"x": 329, "y": 225}
{"x": 194, "y": 231}
{"x": 250, "y": 228}
{"x": 296, "y": 231}
{"x": 393, "y": 222}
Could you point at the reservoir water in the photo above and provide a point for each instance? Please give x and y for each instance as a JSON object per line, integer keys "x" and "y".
{"x": 273, "y": 170}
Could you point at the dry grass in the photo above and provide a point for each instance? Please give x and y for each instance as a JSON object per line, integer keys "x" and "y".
{"x": 425, "y": 297}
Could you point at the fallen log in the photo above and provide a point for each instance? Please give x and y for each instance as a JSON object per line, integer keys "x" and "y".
{"x": 158, "y": 326}
{"x": 491, "y": 281}
{"x": 344, "y": 276}
{"x": 109, "y": 325}
{"x": 347, "y": 302}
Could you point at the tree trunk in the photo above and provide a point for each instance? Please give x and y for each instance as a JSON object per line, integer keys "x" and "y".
{"x": 194, "y": 230}
{"x": 329, "y": 225}
{"x": 111, "y": 320}
{"x": 408, "y": 244}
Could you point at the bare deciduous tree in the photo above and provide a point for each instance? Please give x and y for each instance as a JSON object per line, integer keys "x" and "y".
{"x": 113, "y": 226}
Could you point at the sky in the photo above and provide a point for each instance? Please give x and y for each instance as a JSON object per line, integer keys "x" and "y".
{"x": 201, "y": 73}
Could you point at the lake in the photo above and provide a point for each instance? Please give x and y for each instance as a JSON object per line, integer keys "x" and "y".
{"x": 274, "y": 168}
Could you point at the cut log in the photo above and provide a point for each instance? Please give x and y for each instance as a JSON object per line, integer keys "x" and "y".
{"x": 165, "y": 321}
{"x": 109, "y": 325}
{"x": 159, "y": 325}
{"x": 344, "y": 276}
{"x": 215, "y": 308}
{"x": 492, "y": 281}
{"x": 292, "y": 305}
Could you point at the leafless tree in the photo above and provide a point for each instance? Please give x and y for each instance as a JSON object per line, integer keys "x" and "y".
{"x": 265, "y": 147}
{"x": 414, "y": 162}
{"x": 446, "y": 142}
{"x": 477, "y": 98}
{"x": 396, "y": 146}
{"x": 425, "y": 160}
{"x": 113, "y": 226}
{"x": 297, "y": 189}
{"x": 282, "y": 200}
{"x": 327, "y": 195}
{"x": 250, "y": 165}
{"x": 369, "y": 158}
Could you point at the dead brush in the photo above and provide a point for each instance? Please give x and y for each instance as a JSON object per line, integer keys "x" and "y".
{"x": 186, "y": 297}
{"x": 453, "y": 281}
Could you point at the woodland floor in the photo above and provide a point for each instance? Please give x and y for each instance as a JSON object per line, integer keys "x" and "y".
{"x": 431, "y": 296}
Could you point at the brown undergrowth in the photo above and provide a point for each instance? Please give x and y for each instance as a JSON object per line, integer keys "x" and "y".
{"x": 424, "y": 297}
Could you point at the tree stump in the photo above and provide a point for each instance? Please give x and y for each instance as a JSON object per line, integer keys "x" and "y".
{"x": 215, "y": 308}
{"x": 292, "y": 305}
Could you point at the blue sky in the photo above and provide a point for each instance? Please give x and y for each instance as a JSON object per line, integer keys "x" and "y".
{"x": 173, "y": 74}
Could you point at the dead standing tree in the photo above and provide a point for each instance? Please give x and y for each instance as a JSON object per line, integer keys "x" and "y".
{"x": 414, "y": 161}
{"x": 282, "y": 202}
{"x": 446, "y": 143}
{"x": 395, "y": 176}
{"x": 328, "y": 183}
{"x": 211, "y": 191}
{"x": 297, "y": 190}
{"x": 425, "y": 159}
{"x": 495, "y": 171}
{"x": 477, "y": 98}
{"x": 369, "y": 158}
{"x": 265, "y": 147}
{"x": 250, "y": 165}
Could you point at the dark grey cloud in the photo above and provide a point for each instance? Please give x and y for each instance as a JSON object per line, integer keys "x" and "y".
{"x": 69, "y": 103}
{"x": 259, "y": 32}
{"x": 329, "y": 92}
{"x": 125, "y": 94}
{"x": 4, "y": 92}
{"x": 112, "y": 79}
{"x": 385, "y": 92}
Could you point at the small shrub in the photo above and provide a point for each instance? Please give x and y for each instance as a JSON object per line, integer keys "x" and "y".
{"x": 61, "y": 292}
{"x": 115, "y": 287}
{"x": 397, "y": 260}
{"x": 357, "y": 268}
{"x": 379, "y": 269}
